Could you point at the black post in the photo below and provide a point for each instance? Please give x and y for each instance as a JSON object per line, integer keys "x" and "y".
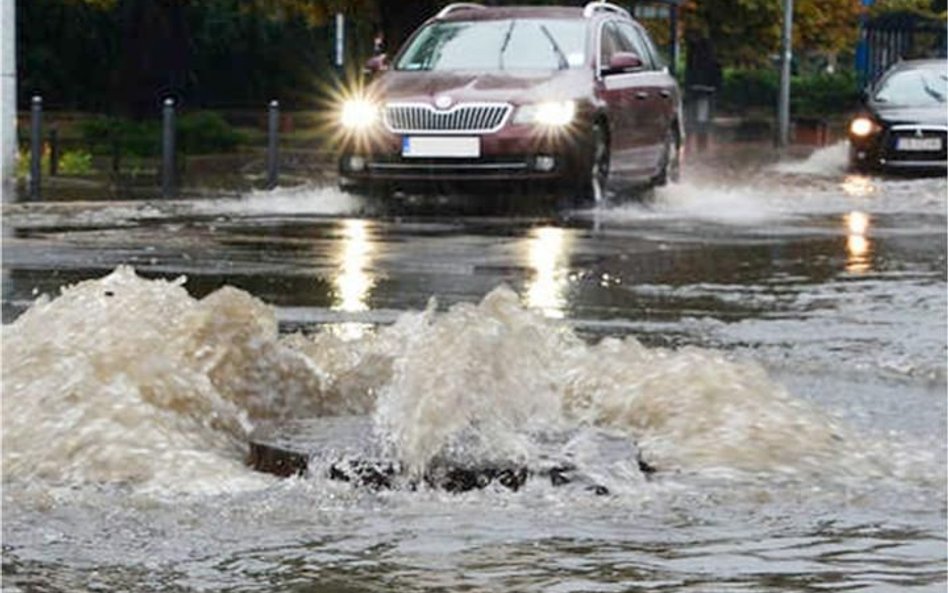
{"x": 53, "y": 152}
{"x": 36, "y": 146}
{"x": 273, "y": 145}
{"x": 167, "y": 152}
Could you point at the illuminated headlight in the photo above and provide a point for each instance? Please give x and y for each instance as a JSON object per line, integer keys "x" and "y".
{"x": 861, "y": 126}
{"x": 551, "y": 113}
{"x": 358, "y": 114}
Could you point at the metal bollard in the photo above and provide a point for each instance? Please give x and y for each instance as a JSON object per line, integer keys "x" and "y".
{"x": 53, "y": 152}
{"x": 272, "y": 145}
{"x": 167, "y": 150}
{"x": 36, "y": 146}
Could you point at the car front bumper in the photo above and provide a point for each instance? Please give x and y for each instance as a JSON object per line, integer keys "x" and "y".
{"x": 507, "y": 156}
{"x": 883, "y": 149}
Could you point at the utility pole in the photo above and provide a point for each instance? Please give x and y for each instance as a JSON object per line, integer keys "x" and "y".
{"x": 783, "y": 105}
{"x": 8, "y": 94}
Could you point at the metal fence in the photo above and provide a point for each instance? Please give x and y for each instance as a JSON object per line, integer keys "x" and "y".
{"x": 891, "y": 37}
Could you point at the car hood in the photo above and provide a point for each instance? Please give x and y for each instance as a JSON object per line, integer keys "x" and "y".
{"x": 935, "y": 115}
{"x": 514, "y": 87}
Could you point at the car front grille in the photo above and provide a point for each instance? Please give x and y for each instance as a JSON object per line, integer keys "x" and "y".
{"x": 919, "y": 132}
{"x": 465, "y": 118}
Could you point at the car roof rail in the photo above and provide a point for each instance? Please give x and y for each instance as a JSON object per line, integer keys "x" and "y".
{"x": 594, "y": 7}
{"x": 459, "y": 6}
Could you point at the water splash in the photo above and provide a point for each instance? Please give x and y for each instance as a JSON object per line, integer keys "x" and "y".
{"x": 303, "y": 200}
{"x": 827, "y": 161}
{"x": 124, "y": 379}
{"x": 735, "y": 206}
{"x": 141, "y": 383}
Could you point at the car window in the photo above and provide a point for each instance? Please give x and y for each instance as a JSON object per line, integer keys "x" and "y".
{"x": 915, "y": 87}
{"x": 511, "y": 44}
{"x": 610, "y": 43}
{"x": 632, "y": 39}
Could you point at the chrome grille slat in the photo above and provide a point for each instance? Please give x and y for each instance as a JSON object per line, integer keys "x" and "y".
{"x": 464, "y": 118}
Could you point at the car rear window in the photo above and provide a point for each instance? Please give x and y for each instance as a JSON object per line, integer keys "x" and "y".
{"x": 509, "y": 44}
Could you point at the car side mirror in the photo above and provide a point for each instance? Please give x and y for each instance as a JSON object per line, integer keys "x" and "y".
{"x": 376, "y": 64}
{"x": 624, "y": 61}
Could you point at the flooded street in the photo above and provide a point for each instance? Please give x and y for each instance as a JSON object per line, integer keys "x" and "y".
{"x": 771, "y": 340}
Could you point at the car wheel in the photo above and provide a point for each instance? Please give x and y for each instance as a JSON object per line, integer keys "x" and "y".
{"x": 670, "y": 170}
{"x": 592, "y": 188}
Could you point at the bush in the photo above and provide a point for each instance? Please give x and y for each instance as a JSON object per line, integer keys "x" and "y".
{"x": 75, "y": 162}
{"x": 102, "y": 135}
{"x": 742, "y": 89}
{"x": 197, "y": 133}
{"x": 205, "y": 132}
{"x": 823, "y": 94}
{"x": 810, "y": 96}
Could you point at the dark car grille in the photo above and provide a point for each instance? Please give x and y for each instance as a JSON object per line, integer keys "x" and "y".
{"x": 894, "y": 134}
{"x": 467, "y": 118}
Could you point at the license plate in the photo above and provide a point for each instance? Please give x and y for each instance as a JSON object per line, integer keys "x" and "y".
{"x": 441, "y": 147}
{"x": 918, "y": 144}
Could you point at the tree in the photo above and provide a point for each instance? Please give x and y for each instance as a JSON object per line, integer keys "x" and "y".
{"x": 746, "y": 33}
{"x": 156, "y": 55}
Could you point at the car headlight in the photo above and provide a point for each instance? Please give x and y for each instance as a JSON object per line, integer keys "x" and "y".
{"x": 862, "y": 126}
{"x": 549, "y": 113}
{"x": 358, "y": 114}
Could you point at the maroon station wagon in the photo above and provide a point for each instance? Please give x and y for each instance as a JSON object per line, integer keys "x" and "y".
{"x": 551, "y": 98}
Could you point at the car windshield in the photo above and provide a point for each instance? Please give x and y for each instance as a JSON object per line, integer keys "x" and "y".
{"x": 916, "y": 87}
{"x": 511, "y": 44}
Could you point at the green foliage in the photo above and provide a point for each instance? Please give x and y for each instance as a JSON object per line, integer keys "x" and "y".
{"x": 75, "y": 162}
{"x": 810, "y": 96}
{"x": 206, "y": 132}
{"x": 23, "y": 163}
{"x": 71, "y": 162}
{"x": 202, "y": 132}
{"x": 823, "y": 94}
{"x": 66, "y": 52}
{"x": 105, "y": 135}
{"x": 748, "y": 88}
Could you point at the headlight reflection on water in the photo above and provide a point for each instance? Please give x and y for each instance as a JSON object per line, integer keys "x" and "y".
{"x": 858, "y": 186}
{"x": 547, "y": 256}
{"x": 353, "y": 282}
{"x": 858, "y": 247}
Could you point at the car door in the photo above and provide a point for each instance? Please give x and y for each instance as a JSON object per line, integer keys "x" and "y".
{"x": 617, "y": 91}
{"x": 652, "y": 97}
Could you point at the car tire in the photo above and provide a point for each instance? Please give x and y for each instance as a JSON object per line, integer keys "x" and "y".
{"x": 670, "y": 170}
{"x": 594, "y": 176}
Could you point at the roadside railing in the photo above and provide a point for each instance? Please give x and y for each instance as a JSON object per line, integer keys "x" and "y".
{"x": 166, "y": 166}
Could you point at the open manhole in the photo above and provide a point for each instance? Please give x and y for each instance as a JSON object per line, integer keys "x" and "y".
{"x": 345, "y": 448}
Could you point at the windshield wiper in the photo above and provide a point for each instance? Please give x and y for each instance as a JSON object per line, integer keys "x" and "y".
{"x": 503, "y": 46}
{"x": 932, "y": 91}
{"x": 564, "y": 63}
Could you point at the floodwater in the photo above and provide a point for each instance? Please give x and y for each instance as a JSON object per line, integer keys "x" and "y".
{"x": 772, "y": 341}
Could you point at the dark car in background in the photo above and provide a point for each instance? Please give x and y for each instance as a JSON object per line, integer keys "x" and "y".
{"x": 561, "y": 98}
{"x": 903, "y": 123}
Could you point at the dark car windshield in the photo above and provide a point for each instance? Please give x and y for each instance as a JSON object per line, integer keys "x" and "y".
{"x": 917, "y": 87}
{"x": 510, "y": 44}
